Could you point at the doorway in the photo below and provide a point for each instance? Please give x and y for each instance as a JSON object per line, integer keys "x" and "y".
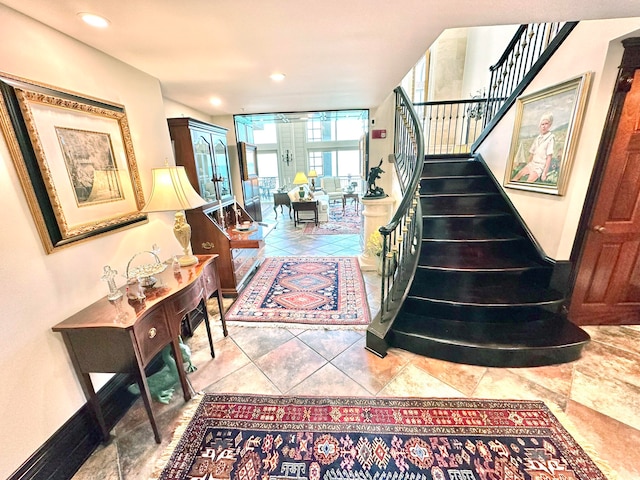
{"x": 607, "y": 280}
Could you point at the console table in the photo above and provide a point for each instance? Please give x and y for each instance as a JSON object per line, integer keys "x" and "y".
{"x": 311, "y": 206}
{"x": 281, "y": 199}
{"x": 125, "y": 335}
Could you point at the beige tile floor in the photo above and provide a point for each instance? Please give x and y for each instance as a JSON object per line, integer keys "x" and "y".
{"x": 599, "y": 393}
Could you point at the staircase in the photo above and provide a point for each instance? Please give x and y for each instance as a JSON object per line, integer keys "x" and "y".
{"x": 481, "y": 293}
{"x": 463, "y": 279}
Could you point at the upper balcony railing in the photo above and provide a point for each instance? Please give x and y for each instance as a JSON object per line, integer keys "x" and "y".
{"x": 451, "y": 127}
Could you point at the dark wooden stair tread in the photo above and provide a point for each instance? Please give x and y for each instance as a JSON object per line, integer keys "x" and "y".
{"x": 548, "y": 341}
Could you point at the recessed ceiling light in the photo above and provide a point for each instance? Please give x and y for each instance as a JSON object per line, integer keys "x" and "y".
{"x": 94, "y": 20}
{"x": 215, "y": 101}
{"x": 277, "y": 77}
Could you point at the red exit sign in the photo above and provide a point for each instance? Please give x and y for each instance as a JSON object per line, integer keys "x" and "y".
{"x": 378, "y": 134}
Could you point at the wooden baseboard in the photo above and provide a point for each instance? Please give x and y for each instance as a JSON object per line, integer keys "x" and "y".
{"x": 66, "y": 450}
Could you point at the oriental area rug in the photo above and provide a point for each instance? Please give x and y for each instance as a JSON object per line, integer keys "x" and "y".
{"x": 247, "y": 437}
{"x": 340, "y": 222}
{"x": 327, "y": 291}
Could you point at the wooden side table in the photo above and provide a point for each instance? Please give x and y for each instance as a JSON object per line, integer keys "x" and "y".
{"x": 125, "y": 336}
{"x": 281, "y": 199}
{"x": 304, "y": 207}
{"x": 354, "y": 196}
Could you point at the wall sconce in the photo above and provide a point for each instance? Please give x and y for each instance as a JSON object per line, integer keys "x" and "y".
{"x": 287, "y": 157}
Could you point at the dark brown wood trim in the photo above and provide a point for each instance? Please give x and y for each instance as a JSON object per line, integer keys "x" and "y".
{"x": 66, "y": 450}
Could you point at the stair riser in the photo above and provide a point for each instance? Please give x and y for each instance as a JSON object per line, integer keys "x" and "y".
{"x": 448, "y": 227}
{"x": 441, "y": 169}
{"x": 487, "y": 356}
{"x": 435, "y": 253}
{"x": 460, "y": 282}
{"x": 475, "y": 204}
{"x": 509, "y": 314}
{"x": 447, "y": 185}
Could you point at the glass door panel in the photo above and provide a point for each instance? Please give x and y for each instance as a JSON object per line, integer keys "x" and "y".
{"x": 204, "y": 165}
{"x": 223, "y": 178}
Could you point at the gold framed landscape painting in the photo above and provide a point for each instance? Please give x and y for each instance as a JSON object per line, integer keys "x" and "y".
{"x": 75, "y": 161}
{"x": 545, "y": 136}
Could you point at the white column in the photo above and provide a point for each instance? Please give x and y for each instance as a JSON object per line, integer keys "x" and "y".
{"x": 376, "y": 212}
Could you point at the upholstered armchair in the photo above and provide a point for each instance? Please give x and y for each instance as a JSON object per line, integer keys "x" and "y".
{"x": 332, "y": 188}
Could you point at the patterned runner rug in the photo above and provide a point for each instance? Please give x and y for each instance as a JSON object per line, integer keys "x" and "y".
{"x": 304, "y": 290}
{"x": 244, "y": 437}
{"x": 340, "y": 223}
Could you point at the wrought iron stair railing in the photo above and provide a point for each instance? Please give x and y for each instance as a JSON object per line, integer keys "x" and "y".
{"x": 401, "y": 236}
{"x": 451, "y": 127}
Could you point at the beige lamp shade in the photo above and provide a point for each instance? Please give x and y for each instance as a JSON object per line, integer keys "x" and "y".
{"x": 172, "y": 191}
{"x": 313, "y": 174}
{"x": 300, "y": 179}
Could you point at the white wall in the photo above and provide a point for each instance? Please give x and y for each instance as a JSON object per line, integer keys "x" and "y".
{"x": 553, "y": 219}
{"x": 484, "y": 47}
{"x": 381, "y": 148}
{"x": 39, "y": 388}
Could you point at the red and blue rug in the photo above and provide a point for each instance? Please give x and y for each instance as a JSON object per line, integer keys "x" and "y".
{"x": 304, "y": 290}
{"x": 244, "y": 437}
{"x": 341, "y": 222}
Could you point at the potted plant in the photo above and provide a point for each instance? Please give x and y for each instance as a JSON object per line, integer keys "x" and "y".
{"x": 374, "y": 244}
{"x": 374, "y": 247}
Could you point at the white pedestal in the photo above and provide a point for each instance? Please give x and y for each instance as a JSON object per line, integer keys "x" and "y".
{"x": 376, "y": 212}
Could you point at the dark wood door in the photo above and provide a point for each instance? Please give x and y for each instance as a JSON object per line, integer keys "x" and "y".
{"x": 251, "y": 194}
{"x": 607, "y": 287}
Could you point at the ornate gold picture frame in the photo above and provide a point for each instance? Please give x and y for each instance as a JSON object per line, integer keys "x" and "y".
{"x": 75, "y": 161}
{"x": 545, "y": 136}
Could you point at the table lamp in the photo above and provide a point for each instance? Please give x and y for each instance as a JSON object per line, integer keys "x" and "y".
{"x": 312, "y": 175}
{"x": 301, "y": 179}
{"x": 172, "y": 191}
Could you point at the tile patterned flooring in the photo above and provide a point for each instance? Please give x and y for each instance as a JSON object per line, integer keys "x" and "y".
{"x": 599, "y": 393}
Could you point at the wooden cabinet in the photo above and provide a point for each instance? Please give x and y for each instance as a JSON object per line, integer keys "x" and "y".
{"x": 202, "y": 149}
{"x": 214, "y": 230}
{"x": 213, "y": 226}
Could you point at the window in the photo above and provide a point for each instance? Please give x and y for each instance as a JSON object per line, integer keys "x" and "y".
{"x": 328, "y": 142}
{"x": 315, "y": 163}
{"x": 323, "y": 129}
{"x": 345, "y": 163}
{"x": 266, "y": 134}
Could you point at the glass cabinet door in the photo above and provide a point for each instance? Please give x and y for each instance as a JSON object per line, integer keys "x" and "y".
{"x": 222, "y": 169}
{"x": 205, "y": 165}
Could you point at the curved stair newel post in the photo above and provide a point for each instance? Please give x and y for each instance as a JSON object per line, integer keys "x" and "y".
{"x": 400, "y": 246}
